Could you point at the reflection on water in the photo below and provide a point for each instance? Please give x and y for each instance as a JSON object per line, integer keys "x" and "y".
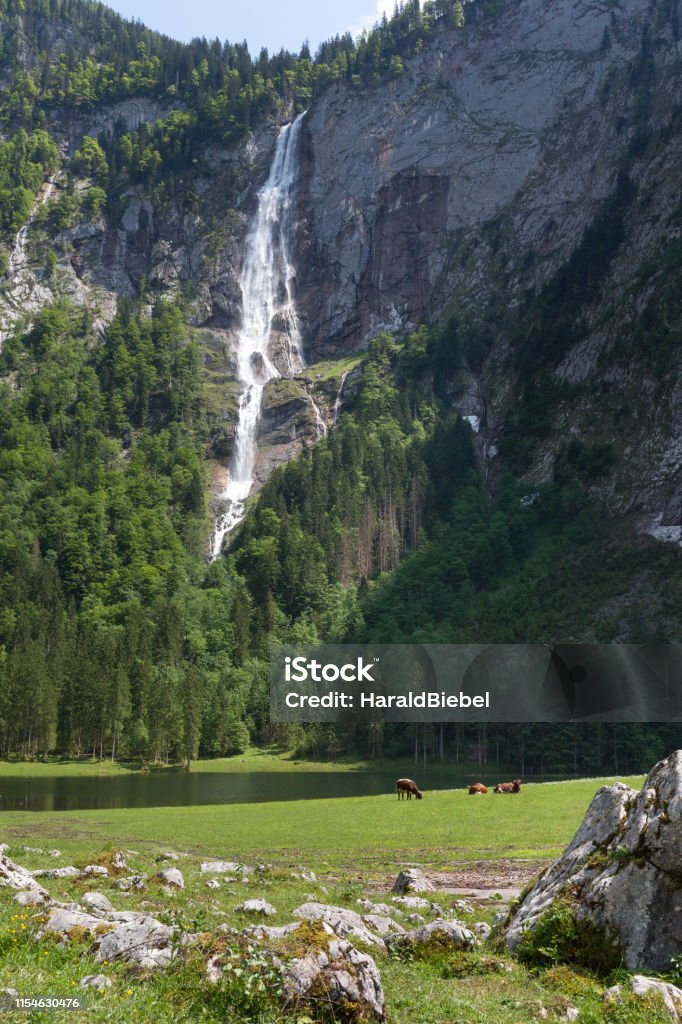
{"x": 182, "y": 790}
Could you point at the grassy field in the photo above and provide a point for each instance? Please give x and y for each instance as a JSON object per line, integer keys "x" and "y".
{"x": 444, "y": 827}
{"x": 356, "y": 846}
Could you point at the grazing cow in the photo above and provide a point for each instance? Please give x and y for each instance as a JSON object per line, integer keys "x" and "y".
{"x": 477, "y": 787}
{"x": 407, "y": 787}
{"x": 508, "y": 787}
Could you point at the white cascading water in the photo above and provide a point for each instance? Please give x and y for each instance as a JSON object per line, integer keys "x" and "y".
{"x": 339, "y": 396}
{"x": 267, "y": 285}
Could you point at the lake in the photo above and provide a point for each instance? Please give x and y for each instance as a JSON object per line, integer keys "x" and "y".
{"x": 182, "y": 790}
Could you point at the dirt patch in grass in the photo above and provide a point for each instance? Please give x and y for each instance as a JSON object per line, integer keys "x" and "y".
{"x": 478, "y": 879}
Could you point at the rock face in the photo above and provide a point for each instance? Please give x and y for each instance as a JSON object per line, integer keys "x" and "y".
{"x": 622, "y": 871}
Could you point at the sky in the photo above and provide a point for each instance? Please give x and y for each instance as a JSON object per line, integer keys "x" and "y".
{"x": 270, "y": 23}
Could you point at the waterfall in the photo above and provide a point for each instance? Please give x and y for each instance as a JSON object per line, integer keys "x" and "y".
{"x": 337, "y": 403}
{"x": 267, "y": 286}
{"x": 18, "y": 261}
{"x": 18, "y": 258}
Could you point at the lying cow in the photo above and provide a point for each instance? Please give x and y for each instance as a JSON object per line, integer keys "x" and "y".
{"x": 408, "y": 787}
{"x": 508, "y": 787}
{"x": 477, "y": 787}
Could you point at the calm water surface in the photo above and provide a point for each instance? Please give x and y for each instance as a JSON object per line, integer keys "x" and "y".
{"x": 182, "y": 790}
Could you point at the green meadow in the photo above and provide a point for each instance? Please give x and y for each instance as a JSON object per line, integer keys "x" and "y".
{"x": 356, "y": 847}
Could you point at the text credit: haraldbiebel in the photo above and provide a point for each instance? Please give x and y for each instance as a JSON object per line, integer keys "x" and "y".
{"x": 476, "y": 682}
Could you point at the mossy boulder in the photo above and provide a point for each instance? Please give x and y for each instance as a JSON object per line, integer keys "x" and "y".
{"x": 619, "y": 880}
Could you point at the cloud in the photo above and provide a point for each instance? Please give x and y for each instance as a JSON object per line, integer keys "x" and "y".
{"x": 369, "y": 20}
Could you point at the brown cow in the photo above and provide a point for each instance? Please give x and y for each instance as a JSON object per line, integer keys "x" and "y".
{"x": 477, "y": 787}
{"x": 508, "y": 787}
{"x": 407, "y": 787}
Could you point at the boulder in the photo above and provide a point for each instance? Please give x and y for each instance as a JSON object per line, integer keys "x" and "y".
{"x": 412, "y": 880}
{"x": 643, "y": 987}
{"x": 482, "y": 929}
{"x": 341, "y": 980}
{"x": 331, "y": 978}
{"x": 445, "y": 933}
{"x": 16, "y": 877}
{"x": 620, "y": 873}
{"x": 95, "y": 871}
{"x": 344, "y": 923}
{"x": 257, "y": 907}
{"x": 141, "y": 940}
{"x": 171, "y": 877}
{"x": 96, "y": 901}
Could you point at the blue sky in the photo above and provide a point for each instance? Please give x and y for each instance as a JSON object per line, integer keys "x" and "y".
{"x": 271, "y": 23}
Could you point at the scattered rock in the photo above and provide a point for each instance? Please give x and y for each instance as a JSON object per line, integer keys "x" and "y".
{"x": 256, "y": 907}
{"x": 66, "y": 872}
{"x": 377, "y": 908}
{"x": 571, "y": 1013}
{"x": 222, "y": 867}
{"x": 343, "y": 923}
{"x": 167, "y": 856}
{"x": 265, "y": 931}
{"x": 416, "y": 919}
{"x": 118, "y": 862}
{"x": 134, "y": 882}
{"x": 482, "y": 929}
{"x": 622, "y": 865}
{"x": 446, "y": 933}
{"x": 96, "y": 901}
{"x": 463, "y": 907}
{"x": 213, "y": 883}
{"x": 7, "y": 997}
{"x": 641, "y": 986}
{"x": 98, "y": 981}
{"x": 32, "y": 849}
{"x": 305, "y": 874}
{"x": 32, "y": 897}
{"x": 412, "y": 880}
{"x": 55, "y": 853}
{"x": 382, "y": 925}
{"x": 95, "y": 871}
{"x": 16, "y": 877}
{"x": 171, "y": 877}
{"x": 418, "y": 903}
